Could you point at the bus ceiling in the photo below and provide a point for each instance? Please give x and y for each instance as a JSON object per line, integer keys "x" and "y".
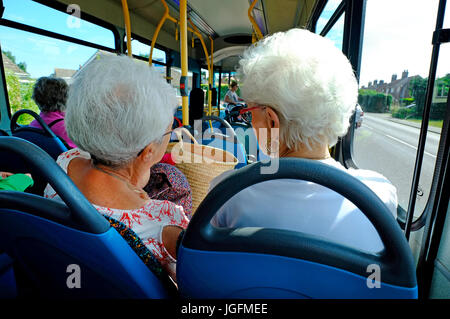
{"x": 227, "y": 22}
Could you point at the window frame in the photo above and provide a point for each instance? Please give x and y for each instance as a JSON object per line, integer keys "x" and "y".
{"x": 4, "y": 122}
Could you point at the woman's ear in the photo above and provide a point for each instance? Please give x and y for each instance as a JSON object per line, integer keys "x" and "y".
{"x": 272, "y": 118}
{"x": 147, "y": 153}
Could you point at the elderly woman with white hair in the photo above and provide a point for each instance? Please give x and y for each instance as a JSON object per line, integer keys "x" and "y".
{"x": 119, "y": 114}
{"x": 301, "y": 92}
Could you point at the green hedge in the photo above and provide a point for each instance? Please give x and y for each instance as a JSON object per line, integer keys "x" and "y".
{"x": 372, "y": 101}
{"x": 19, "y": 95}
{"x": 402, "y": 112}
{"x": 437, "y": 111}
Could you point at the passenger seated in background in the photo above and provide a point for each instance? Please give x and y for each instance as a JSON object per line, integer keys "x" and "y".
{"x": 120, "y": 115}
{"x": 231, "y": 96}
{"x": 50, "y": 95}
{"x": 300, "y": 84}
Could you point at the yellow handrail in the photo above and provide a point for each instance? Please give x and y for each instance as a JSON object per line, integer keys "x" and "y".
{"x": 184, "y": 29}
{"x": 184, "y": 58}
{"x": 158, "y": 28}
{"x": 126, "y": 18}
{"x": 253, "y": 22}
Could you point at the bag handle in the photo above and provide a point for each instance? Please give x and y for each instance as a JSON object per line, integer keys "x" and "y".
{"x": 178, "y": 132}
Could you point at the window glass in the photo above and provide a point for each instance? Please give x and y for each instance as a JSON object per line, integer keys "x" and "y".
{"x": 336, "y": 33}
{"x": 143, "y": 50}
{"x": 27, "y": 56}
{"x": 37, "y": 15}
{"x": 394, "y": 69}
{"x": 326, "y": 14}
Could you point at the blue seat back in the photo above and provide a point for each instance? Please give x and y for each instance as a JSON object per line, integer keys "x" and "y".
{"x": 55, "y": 244}
{"x": 51, "y": 144}
{"x": 252, "y": 262}
{"x": 43, "y": 138}
{"x": 237, "y": 149}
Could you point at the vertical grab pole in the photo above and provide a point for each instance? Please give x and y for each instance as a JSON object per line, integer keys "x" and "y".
{"x": 184, "y": 61}
{"x": 259, "y": 35}
{"x": 158, "y": 28}
{"x": 126, "y": 18}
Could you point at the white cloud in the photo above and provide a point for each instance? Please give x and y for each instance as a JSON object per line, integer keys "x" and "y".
{"x": 397, "y": 37}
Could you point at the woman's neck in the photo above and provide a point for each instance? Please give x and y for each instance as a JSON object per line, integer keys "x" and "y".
{"x": 316, "y": 152}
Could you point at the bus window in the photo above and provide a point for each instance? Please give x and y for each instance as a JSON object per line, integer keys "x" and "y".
{"x": 67, "y": 23}
{"x": 28, "y": 56}
{"x": 326, "y": 14}
{"x": 395, "y": 63}
{"x": 143, "y": 50}
{"x": 336, "y": 33}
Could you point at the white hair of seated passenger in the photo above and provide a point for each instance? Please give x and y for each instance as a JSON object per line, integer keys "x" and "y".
{"x": 306, "y": 80}
{"x": 116, "y": 107}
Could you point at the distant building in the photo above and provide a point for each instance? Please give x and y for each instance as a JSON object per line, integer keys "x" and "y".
{"x": 99, "y": 53}
{"x": 8, "y": 64}
{"x": 65, "y": 74}
{"x": 398, "y": 88}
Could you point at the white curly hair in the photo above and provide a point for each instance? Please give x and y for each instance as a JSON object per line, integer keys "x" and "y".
{"x": 116, "y": 107}
{"x": 308, "y": 82}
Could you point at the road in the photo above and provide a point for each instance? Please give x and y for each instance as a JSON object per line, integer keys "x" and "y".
{"x": 390, "y": 148}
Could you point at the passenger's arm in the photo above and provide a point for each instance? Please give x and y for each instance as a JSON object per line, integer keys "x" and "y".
{"x": 169, "y": 238}
{"x": 228, "y": 100}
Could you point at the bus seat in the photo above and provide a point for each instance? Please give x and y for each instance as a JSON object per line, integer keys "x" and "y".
{"x": 218, "y": 138}
{"x": 44, "y": 138}
{"x": 253, "y": 262}
{"x": 66, "y": 249}
{"x": 3, "y": 133}
{"x": 8, "y": 286}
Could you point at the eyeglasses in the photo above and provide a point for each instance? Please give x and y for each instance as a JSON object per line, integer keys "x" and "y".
{"x": 247, "y": 115}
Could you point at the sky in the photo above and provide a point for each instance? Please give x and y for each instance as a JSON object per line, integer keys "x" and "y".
{"x": 397, "y": 37}
{"x": 43, "y": 54}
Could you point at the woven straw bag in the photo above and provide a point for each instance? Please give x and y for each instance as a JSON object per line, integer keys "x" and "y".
{"x": 199, "y": 163}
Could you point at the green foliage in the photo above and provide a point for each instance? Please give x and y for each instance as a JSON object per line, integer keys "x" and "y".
{"x": 403, "y": 112}
{"x": 437, "y": 111}
{"x": 418, "y": 90}
{"x": 9, "y": 55}
{"x": 406, "y": 101}
{"x": 22, "y": 66}
{"x": 372, "y": 101}
{"x": 20, "y": 97}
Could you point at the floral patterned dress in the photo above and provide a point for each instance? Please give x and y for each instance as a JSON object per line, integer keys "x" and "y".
{"x": 147, "y": 221}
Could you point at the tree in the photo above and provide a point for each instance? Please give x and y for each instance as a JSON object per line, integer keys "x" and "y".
{"x": 20, "y": 97}
{"x": 22, "y": 66}
{"x": 418, "y": 90}
{"x": 9, "y": 55}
